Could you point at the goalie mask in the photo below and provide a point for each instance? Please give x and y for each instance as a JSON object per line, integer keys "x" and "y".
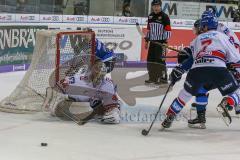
{"x": 98, "y": 71}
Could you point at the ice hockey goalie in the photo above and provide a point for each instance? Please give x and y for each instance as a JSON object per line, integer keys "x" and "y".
{"x": 88, "y": 84}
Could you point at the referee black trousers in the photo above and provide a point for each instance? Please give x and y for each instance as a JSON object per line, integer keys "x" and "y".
{"x": 156, "y": 65}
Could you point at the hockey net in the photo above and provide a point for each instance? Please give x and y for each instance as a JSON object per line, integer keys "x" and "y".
{"x": 53, "y": 50}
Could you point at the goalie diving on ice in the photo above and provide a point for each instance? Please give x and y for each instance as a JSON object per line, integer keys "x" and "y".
{"x": 86, "y": 85}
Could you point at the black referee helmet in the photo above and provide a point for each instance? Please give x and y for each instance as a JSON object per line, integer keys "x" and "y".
{"x": 197, "y": 23}
{"x": 156, "y": 2}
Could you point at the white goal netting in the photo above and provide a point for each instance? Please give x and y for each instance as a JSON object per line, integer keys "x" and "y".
{"x": 53, "y": 50}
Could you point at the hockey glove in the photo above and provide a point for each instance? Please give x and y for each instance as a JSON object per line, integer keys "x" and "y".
{"x": 184, "y": 54}
{"x": 235, "y": 70}
{"x": 176, "y": 75}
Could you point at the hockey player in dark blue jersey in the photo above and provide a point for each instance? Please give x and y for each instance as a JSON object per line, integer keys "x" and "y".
{"x": 106, "y": 55}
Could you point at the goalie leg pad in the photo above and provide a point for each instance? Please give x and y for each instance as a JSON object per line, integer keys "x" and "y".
{"x": 111, "y": 114}
{"x": 62, "y": 110}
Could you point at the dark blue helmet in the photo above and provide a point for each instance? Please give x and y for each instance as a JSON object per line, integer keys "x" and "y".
{"x": 208, "y": 13}
{"x": 209, "y": 19}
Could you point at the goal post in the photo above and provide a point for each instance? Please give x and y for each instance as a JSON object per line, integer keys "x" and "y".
{"x": 53, "y": 48}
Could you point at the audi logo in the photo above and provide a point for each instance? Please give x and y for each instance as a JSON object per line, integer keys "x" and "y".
{"x": 105, "y": 19}
{"x": 55, "y": 18}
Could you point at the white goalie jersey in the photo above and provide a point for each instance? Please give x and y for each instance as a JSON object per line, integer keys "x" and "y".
{"x": 81, "y": 88}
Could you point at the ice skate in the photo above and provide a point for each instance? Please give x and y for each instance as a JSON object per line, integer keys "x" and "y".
{"x": 223, "y": 111}
{"x": 199, "y": 121}
{"x": 167, "y": 123}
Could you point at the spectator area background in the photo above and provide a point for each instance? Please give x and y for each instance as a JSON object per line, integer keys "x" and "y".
{"x": 139, "y": 8}
{"x": 104, "y": 17}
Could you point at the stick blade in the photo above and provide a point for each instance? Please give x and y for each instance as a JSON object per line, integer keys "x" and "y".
{"x": 144, "y": 132}
{"x": 139, "y": 30}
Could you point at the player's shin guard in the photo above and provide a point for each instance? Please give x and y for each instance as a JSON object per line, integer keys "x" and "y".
{"x": 233, "y": 102}
{"x": 201, "y": 100}
{"x": 176, "y": 107}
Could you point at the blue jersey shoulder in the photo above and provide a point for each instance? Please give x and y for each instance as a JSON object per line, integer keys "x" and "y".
{"x": 102, "y": 52}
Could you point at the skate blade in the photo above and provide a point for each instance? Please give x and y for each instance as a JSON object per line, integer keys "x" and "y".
{"x": 163, "y": 85}
{"x": 225, "y": 119}
{"x": 197, "y": 126}
{"x": 161, "y": 129}
{"x": 157, "y": 86}
{"x": 151, "y": 85}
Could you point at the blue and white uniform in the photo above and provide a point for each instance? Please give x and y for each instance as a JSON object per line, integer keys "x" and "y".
{"x": 107, "y": 56}
{"x": 210, "y": 53}
{"x": 228, "y": 32}
{"x": 103, "y": 53}
{"x": 213, "y": 49}
{"x": 202, "y": 96}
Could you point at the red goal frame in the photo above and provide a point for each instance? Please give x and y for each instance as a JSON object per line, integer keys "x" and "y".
{"x": 58, "y": 38}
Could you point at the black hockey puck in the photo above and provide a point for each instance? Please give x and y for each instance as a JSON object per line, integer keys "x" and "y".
{"x": 44, "y": 144}
{"x": 144, "y": 132}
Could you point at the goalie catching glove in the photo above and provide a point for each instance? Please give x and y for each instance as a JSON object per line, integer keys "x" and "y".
{"x": 98, "y": 72}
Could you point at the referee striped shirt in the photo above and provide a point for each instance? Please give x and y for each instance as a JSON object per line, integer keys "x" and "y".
{"x": 159, "y": 27}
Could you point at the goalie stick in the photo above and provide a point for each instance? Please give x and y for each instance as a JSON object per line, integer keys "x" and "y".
{"x": 81, "y": 121}
{"x": 75, "y": 118}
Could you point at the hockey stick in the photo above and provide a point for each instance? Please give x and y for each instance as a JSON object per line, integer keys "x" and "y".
{"x": 73, "y": 117}
{"x": 35, "y": 92}
{"x": 49, "y": 98}
{"x": 65, "y": 5}
{"x": 169, "y": 56}
{"x": 146, "y": 132}
{"x": 158, "y": 43}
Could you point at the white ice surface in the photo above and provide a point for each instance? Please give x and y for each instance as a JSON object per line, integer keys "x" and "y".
{"x": 21, "y": 135}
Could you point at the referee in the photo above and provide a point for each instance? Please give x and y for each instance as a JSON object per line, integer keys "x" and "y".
{"x": 159, "y": 30}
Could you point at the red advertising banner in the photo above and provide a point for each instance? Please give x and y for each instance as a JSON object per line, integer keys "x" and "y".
{"x": 179, "y": 39}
